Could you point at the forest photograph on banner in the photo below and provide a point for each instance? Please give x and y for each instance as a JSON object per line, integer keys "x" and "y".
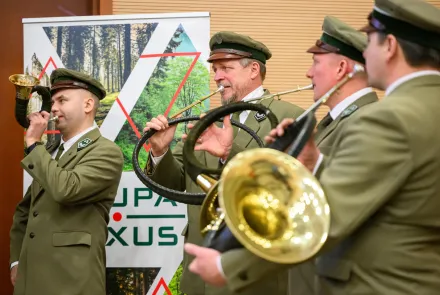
{"x": 149, "y": 65}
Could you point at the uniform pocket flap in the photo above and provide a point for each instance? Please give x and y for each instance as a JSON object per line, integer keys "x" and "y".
{"x": 334, "y": 268}
{"x": 71, "y": 238}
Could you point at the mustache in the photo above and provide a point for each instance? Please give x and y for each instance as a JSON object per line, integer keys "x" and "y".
{"x": 224, "y": 85}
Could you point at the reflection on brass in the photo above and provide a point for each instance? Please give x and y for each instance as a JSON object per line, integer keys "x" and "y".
{"x": 271, "y": 203}
{"x": 23, "y": 85}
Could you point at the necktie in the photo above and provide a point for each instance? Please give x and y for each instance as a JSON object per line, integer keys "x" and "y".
{"x": 324, "y": 122}
{"x": 60, "y": 152}
{"x": 235, "y": 117}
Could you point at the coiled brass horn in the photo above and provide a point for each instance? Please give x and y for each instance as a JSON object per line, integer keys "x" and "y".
{"x": 208, "y": 178}
{"x": 25, "y": 85}
{"x": 265, "y": 199}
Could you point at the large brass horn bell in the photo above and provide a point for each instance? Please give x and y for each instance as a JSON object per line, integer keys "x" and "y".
{"x": 274, "y": 206}
{"x": 24, "y": 86}
{"x": 265, "y": 200}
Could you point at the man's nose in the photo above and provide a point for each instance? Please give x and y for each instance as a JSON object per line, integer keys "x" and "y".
{"x": 218, "y": 76}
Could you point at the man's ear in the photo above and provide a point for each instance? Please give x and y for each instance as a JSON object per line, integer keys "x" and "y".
{"x": 89, "y": 104}
{"x": 391, "y": 46}
{"x": 343, "y": 69}
{"x": 255, "y": 70}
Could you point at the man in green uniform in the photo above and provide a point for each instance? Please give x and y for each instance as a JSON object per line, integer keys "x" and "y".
{"x": 334, "y": 55}
{"x": 239, "y": 64}
{"x": 59, "y": 229}
{"x": 381, "y": 177}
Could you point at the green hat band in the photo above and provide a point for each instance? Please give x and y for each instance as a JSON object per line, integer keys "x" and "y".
{"x": 404, "y": 30}
{"x": 89, "y": 88}
{"x": 344, "y": 49}
{"x": 256, "y": 54}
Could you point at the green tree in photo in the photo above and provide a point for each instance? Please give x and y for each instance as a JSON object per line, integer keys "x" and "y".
{"x": 157, "y": 96}
{"x": 174, "y": 284}
{"x": 130, "y": 281}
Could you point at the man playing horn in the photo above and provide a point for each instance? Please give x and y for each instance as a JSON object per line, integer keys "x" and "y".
{"x": 381, "y": 177}
{"x": 60, "y": 229}
{"x": 334, "y": 56}
{"x": 239, "y": 64}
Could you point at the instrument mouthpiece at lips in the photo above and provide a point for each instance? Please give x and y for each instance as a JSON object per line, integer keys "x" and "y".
{"x": 220, "y": 88}
{"x": 53, "y": 119}
{"x": 358, "y": 68}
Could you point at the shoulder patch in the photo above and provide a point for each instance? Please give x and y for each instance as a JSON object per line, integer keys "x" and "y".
{"x": 84, "y": 143}
{"x": 260, "y": 116}
{"x": 348, "y": 111}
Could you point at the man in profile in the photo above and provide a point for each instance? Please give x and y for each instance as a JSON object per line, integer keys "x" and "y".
{"x": 59, "y": 229}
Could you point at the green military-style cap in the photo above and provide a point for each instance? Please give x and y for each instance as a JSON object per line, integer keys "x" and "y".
{"x": 230, "y": 45}
{"x": 338, "y": 37}
{"x": 413, "y": 20}
{"x": 64, "y": 78}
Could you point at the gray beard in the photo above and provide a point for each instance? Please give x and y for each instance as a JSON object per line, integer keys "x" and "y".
{"x": 230, "y": 100}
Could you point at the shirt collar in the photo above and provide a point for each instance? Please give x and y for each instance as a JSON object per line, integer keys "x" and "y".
{"x": 68, "y": 144}
{"x": 340, "y": 107}
{"x": 408, "y": 77}
{"x": 258, "y": 92}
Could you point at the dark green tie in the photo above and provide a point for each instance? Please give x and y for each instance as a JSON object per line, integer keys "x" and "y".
{"x": 60, "y": 152}
{"x": 235, "y": 117}
{"x": 324, "y": 122}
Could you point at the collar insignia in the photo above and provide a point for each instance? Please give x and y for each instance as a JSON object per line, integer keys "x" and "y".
{"x": 84, "y": 143}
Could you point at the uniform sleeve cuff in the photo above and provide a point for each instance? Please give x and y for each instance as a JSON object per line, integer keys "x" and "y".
{"x": 219, "y": 266}
{"x": 13, "y": 264}
{"x": 318, "y": 163}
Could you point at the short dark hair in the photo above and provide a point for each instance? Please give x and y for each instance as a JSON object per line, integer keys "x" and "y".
{"x": 416, "y": 55}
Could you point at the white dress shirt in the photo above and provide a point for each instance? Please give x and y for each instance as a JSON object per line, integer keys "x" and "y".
{"x": 68, "y": 144}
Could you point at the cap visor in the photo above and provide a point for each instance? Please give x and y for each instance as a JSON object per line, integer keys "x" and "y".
{"x": 317, "y": 49}
{"x": 368, "y": 29}
{"x": 222, "y": 55}
{"x": 64, "y": 86}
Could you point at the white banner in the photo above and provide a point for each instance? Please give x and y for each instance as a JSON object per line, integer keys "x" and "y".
{"x": 150, "y": 65}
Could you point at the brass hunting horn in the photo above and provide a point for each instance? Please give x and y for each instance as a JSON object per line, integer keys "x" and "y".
{"x": 197, "y": 198}
{"x": 265, "y": 199}
{"x": 25, "y": 85}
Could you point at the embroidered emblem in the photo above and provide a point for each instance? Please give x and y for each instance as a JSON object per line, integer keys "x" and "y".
{"x": 84, "y": 143}
{"x": 260, "y": 116}
{"x": 348, "y": 111}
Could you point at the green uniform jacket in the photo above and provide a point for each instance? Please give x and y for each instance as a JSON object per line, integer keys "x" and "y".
{"x": 171, "y": 173}
{"x": 59, "y": 229}
{"x": 325, "y": 139}
{"x": 302, "y": 277}
{"x": 382, "y": 184}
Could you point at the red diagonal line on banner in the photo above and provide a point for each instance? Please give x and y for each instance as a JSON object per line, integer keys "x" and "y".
{"x": 50, "y": 60}
{"x": 165, "y": 286}
{"x": 130, "y": 121}
{"x": 170, "y": 54}
{"x": 182, "y": 83}
{"x": 176, "y": 94}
